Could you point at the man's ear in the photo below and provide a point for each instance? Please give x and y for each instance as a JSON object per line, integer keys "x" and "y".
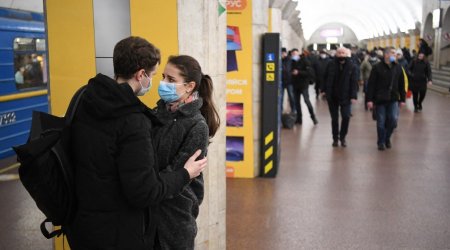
{"x": 139, "y": 75}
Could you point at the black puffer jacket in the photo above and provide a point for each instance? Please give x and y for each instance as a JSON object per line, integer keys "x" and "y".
{"x": 381, "y": 78}
{"x": 114, "y": 170}
{"x": 182, "y": 133}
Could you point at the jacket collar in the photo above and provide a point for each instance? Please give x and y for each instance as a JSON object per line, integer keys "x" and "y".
{"x": 187, "y": 110}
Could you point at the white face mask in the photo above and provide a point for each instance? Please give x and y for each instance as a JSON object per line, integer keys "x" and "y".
{"x": 323, "y": 56}
{"x": 143, "y": 90}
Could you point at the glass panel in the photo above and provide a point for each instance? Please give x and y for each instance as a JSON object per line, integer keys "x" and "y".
{"x": 24, "y": 44}
{"x": 30, "y": 70}
{"x": 40, "y": 44}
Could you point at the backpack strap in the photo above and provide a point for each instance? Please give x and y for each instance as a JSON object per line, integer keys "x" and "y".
{"x": 46, "y": 233}
{"x": 72, "y": 109}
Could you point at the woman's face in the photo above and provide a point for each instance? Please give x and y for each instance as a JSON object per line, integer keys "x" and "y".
{"x": 172, "y": 75}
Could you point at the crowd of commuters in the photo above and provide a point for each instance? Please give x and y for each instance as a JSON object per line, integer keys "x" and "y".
{"x": 385, "y": 75}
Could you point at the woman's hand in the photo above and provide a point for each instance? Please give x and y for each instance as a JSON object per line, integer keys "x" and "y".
{"x": 194, "y": 167}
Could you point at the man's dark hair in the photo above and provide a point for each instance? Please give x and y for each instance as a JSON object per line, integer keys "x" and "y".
{"x": 294, "y": 49}
{"x": 388, "y": 49}
{"x": 283, "y": 49}
{"x": 132, "y": 54}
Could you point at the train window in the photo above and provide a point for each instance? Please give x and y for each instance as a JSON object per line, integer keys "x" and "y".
{"x": 30, "y": 63}
{"x": 40, "y": 44}
{"x": 24, "y": 44}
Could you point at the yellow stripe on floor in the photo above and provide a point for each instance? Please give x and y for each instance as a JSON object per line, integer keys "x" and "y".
{"x": 4, "y": 170}
{"x": 9, "y": 177}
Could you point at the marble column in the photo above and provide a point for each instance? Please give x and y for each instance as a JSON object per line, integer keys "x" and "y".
{"x": 202, "y": 34}
{"x": 260, "y": 22}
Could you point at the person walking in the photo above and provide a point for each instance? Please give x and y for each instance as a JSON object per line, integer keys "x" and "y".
{"x": 286, "y": 79}
{"x": 424, "y": 48}
{"x": 401, "y": 60}
{"x": 420, "y": 75}
{"x": 320, "y": 66}
{"x": 188, "y": 119}
{"x": 114, "y": 160}
{"x": 341, "y": 88}
{"x": 301, "y": 74}
{"x": 386, "y": 93}
{"x": 365, "y": 69}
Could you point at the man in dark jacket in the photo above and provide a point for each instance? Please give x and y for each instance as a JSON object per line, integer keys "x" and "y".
{"x": 386, "y": 89}
{"x": 420, "y": 71}
{"x": 115, "y": 178}
{"x": 320, "y": 66}
{"x": 286, "y": 78}
{"x": 341, "y": 87}
{"x": 301, "y": 74}
{"x": 425, "y": 48}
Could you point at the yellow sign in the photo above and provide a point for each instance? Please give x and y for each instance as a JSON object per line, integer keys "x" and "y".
{"x": 270, "y": 66}
{"x": 270, "y": 77}
{"x": 239, "y": 122}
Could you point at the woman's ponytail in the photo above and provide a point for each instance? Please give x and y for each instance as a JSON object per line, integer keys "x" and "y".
{"x": 208, "y": 110}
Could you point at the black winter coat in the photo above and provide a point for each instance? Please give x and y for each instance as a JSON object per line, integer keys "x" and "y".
{"x": 347, "y": 84}
{"x": 420, "y": 74}
{"x": 381, "y": 78}
{"x": 286, "y": 77}
{"x": 114, "y": 170}
{"x": 320, "y": 66}
{"x": 182, "y": 133}
{"x": 301, "y": 80}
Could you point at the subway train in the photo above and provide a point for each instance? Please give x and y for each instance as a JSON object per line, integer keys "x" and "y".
{"x": 23, "y": 75}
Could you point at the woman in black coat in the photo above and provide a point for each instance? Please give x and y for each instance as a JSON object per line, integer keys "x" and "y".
{"x": 114, "y": 160}
{"x": 188, "y": 119}
{"x": 420, "y": 77}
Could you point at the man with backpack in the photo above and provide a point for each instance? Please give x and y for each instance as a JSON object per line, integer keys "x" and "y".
{"x": 116, "y": 187}
{"x": 386, "y": 92}
{"x": 301, "y": 75}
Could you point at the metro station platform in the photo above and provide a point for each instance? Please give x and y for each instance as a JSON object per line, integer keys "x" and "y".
{"x": 355, "y": 197}
{"x": 323, "y": 197}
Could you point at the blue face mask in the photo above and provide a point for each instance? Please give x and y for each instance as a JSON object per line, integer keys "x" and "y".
{"x": 392, "y": 59}
{"x": 295, "y": 58}
{"x": 168, "y": 91}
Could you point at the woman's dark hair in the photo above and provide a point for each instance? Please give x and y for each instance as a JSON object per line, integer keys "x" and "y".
{"x": 191, "y": 71}
{"x": 132, "y": 54}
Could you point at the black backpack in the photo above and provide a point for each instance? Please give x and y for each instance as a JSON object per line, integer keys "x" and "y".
{"x": 288, "y": 120}
{"x": 45, "y": 166}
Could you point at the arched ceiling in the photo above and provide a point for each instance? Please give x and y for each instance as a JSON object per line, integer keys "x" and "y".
{"x": 367, "y": 18}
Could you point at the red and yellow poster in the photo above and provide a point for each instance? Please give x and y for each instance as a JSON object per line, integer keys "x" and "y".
{"x": 239, "y": 118}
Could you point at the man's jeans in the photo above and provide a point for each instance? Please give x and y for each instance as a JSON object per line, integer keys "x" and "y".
{"x": 290, "y": 91}
{"x": 387, "y": 117}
